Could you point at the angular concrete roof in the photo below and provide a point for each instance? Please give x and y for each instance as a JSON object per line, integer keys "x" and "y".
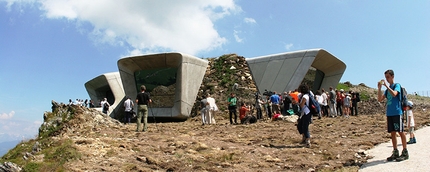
{"x": 285, "y": 71}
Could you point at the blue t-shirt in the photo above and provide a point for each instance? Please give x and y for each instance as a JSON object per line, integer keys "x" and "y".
{"x": 394, "y": 107}
{"x": 274, "y": 99}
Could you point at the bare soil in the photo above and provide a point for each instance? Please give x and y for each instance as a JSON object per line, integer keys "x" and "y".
{"x": 337, "y": 144}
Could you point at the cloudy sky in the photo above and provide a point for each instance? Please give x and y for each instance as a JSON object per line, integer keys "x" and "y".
{"x": 50, "y": 48}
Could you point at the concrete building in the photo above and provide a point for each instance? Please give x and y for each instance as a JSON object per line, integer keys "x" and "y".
{"x": 108, "y": 85}
{"x": 286, "y": 71}
{"x": 173, "y": 79}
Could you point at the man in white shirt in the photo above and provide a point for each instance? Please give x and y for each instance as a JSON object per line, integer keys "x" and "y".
{"x": 128, "y": 106}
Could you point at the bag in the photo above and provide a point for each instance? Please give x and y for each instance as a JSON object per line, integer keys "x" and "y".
{"x": 313, "y": 106}
{"x": 403, "y": 96}
{"x": 357, "y": 97}
{"x": 105, "y": 107}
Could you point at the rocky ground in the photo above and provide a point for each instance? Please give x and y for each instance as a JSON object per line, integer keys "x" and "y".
{"x": 104, "y": 144}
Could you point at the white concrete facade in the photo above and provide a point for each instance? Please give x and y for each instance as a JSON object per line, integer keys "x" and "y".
{"x": 108, "y": 85}
{"x": 189, "y": 76}
{"x": 285, "y": 71}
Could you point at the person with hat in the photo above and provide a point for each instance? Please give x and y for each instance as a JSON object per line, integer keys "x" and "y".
{"x": 410, "y": 122}
{"x": 346, "y": 105}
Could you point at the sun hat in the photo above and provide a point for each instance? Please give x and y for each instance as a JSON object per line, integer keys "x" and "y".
{"x": 410, "y": 104}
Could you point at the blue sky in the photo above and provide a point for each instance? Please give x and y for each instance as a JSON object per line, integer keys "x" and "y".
{"x": 50, "y": 48}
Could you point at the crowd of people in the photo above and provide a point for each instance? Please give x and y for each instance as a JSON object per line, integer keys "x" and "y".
{"x": 333, "y": 103}
{"x": 81, "y": 102}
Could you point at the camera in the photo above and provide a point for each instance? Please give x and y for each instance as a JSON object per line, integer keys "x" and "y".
{"x": 268, "y": 93}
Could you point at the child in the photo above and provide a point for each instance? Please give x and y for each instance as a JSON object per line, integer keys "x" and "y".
{"x": 411, "y": 123}
{"x": 242, "y": 112}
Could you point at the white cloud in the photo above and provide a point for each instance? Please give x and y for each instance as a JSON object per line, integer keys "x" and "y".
{"x": 7, "y": 115}
{"x": 18, "y": 129}
{"x": 146, "y": 25}
{"x": 250, "y": 20}
{"x": 236, "y": 36}
{"x": 289, "y": 46}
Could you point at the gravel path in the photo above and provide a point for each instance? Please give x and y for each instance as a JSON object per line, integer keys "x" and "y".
{"x": 419, "y": 155}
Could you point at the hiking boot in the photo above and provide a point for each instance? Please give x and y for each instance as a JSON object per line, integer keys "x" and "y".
{"x": 412, "y": 141}
{"x": 404, "y": 156}
{"x": 394, "y": 156}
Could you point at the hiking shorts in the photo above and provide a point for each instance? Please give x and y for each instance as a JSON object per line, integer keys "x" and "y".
{"x": 395, "y": 123}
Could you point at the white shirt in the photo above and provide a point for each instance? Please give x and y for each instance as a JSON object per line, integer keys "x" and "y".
{"x": 411, "y": 118}
{"x": 128, "y": 104}
{"x": 325, "y": 97}
{"x": 305, "y": 109}
{"x": 211, "y": 104}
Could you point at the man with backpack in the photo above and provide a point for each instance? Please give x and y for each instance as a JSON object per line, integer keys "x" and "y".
{"x": 105, "y": 106}
{"x": 394, "y": 113}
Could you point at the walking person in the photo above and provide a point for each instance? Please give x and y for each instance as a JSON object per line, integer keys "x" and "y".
{"x": 142, "y": 101}
{"x": 410, "y": 123}
{"x": 305, "y": 115}
{"x": 128, "y": 106}
{"x": 232, "y": 106}
{"x": 394, "y": 113}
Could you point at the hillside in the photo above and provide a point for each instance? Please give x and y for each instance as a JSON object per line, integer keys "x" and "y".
{"x": 75, "y": 138}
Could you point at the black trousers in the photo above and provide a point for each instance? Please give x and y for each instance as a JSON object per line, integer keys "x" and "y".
{"x": 231, "y": 112}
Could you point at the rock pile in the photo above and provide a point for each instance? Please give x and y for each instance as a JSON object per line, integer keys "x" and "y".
{"x": 224, "y": 75}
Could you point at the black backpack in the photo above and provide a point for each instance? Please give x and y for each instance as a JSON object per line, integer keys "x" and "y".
{"x": 106, "y": 107}
{"x": 403, "y": 96}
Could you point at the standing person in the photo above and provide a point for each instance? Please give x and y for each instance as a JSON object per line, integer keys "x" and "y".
{"x": 211, "y": 107}
{"x": 332, "y": 105}
{"x": 258, "y": 103}
{"x": 269, "y": 108}
{"x": 287, "y": 103}
{"x": 347, "y": 105}
{"x": 91, "y": 104}
{"x": 305, "y": 115}
{"x": 354, "y": 101}
{"x": 232, "y": 101}
{"x": 275, "y": 99}
{"x": 105, "y": 106}
{"x": 320, "y": 100}
{"x": 203, "y": 110}
{"x": 394, "y": 114}
{"x": 128, "y": 106}
{"x": 339, "y": 102}
{"x": 411, "y": 123}
{"x": 86, "y": 102}
{"x": 142, "y": 100}
{"x": 324, "y": 107}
